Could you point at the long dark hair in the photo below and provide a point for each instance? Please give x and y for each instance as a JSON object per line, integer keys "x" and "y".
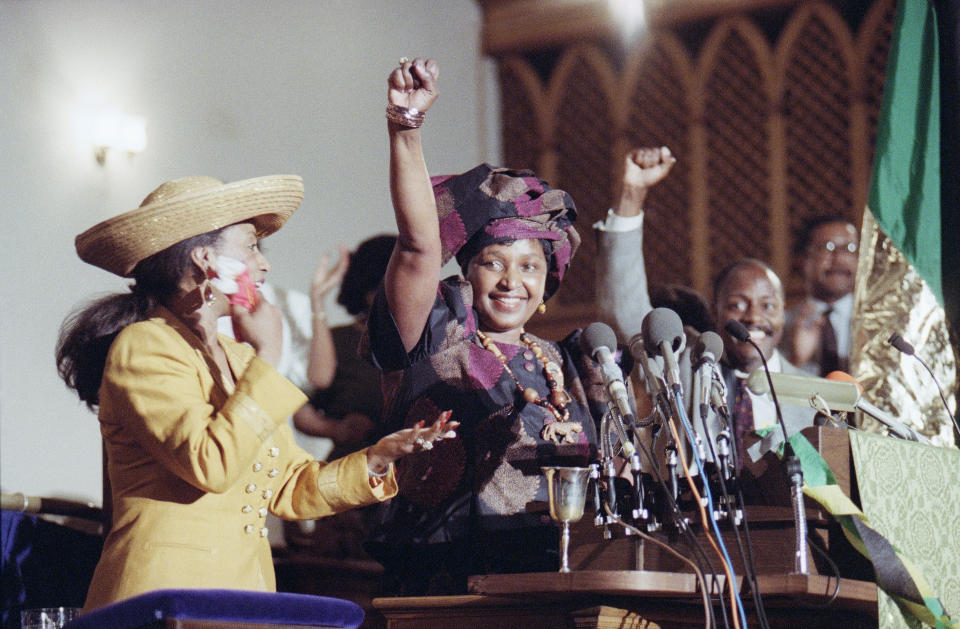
{"x": 87, "y": 333}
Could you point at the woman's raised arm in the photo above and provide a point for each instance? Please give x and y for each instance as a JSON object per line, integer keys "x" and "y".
{"x": 414, "y": 269}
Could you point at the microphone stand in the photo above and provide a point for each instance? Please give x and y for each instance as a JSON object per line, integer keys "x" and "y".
{"x": 793, "y": 469}
{"x": 906, "y": 348}
{"x": 609, "y": 470}
{"x": 599, "y": 519}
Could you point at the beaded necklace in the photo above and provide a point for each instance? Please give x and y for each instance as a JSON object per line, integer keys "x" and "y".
{"x": 561, "y": 428}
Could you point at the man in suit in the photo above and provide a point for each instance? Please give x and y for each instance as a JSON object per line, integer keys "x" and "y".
{"x": 748, "y": 291}
{"x": 817, "y": 330}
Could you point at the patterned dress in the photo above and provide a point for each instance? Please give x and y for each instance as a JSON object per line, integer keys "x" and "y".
{"x": 488, "y": 479}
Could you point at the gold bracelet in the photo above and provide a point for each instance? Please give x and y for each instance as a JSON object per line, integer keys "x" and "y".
{"x": 410, "y": 118}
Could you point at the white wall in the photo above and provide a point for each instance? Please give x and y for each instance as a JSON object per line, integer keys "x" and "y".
{"x": 232, "y": 89}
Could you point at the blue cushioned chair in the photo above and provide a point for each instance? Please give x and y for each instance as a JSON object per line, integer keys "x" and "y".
{"x": 209, "y": 609}
{"x": 42, "y": 564}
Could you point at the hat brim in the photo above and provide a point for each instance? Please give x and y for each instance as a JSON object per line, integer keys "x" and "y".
{"x": 118, "y": 244}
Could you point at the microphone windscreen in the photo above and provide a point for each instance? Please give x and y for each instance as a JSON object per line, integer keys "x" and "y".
{"x": 709, "y": 342}
{"x": 597, "y": 335}
{"x": 901, "y": 344}
{"x": 840, "y": 395}
{"x": 662, "y": 325}
{"x": 843, "y": 376}
{"x": 737, "y": 330}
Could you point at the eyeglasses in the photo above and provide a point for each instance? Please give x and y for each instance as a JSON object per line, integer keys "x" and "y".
{"x": 831, "y": 247}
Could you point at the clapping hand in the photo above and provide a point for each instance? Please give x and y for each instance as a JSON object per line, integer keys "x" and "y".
{"x": 805, "y": 337}
{"x": 326, "y": 278}
{"x": 410, "y": 440}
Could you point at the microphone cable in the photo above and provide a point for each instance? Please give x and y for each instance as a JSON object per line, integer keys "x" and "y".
{"x": 746, "y": 554}
{"x": 695, "y": 547}
{"x": 736, "y": 603}
{"x": 715, "y": 584}
{"x": 836, "y": 574}
{"x": 709, "y": 619}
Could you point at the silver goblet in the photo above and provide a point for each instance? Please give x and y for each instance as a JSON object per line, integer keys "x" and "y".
{"x": 567, "y": 490}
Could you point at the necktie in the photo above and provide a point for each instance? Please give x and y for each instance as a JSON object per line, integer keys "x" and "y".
{"x": 742, "y": 418}
{"x": 829, "y": 358}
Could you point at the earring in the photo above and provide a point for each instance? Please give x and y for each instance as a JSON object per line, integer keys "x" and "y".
{"x": 208, "y": 295}
{"x": 542, "y": 308}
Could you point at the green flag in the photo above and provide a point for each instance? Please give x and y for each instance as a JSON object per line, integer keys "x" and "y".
{"x": 905, "y": 187}
{"x": 903, "y": 282}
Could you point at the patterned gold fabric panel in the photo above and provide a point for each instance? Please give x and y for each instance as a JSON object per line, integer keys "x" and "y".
{"x": 738, "y": 184}
{"x": 893, "y": 381}
{"x": 658, "y": 115}
{"x": 911, "y": 496}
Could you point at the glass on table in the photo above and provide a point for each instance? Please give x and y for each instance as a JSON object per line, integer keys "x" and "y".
{"x": 48, "y": 617}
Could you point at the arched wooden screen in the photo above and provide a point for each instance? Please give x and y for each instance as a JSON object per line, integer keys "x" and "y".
{"x": 771, "y": 113}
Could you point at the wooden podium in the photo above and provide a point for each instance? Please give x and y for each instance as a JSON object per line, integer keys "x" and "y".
{"x": 623, "y": 582}
{"x": 625, "y": 599}
{"x": 769, "y": 515}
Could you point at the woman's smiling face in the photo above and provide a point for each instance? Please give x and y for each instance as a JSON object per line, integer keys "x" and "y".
{"x": 508, "y": 284}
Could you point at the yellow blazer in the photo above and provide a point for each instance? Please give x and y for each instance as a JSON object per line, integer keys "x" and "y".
{"x": 195, "y": 464}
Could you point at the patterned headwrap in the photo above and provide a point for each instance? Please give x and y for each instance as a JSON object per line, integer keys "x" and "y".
{"x": 488, "y": 205}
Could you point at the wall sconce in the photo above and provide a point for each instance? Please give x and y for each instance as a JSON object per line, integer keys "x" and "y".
{"x": 115, "y": 130}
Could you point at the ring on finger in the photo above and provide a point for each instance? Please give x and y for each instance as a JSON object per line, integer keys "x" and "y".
{"x": 423, "y": 443}
{"x": 402, "y": 61}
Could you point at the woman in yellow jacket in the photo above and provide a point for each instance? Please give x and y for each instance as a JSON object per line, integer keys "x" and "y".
{"x": 194, "y": 423}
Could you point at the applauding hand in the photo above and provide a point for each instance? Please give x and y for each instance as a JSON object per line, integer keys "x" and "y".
{"x": 409, "y": 440}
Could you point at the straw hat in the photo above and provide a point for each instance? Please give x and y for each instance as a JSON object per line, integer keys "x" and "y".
{"x": 184, "y": 208}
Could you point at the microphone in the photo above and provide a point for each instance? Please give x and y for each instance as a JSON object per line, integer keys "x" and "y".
{"x": 897, "y": 428}
{"x": 599, "y": 342}
{"x": 738, "y": 331}
{"x": 839, "y": 390}
{"x": 652, "y": 375}
{"x": 794, "y": 470}
{"x": 897, "y": 341}
{"x": 707, "y": 352}
{"x": 663, "y": 336}
{"x": 709, "y": 347}
{"x": 793, "y": 389}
